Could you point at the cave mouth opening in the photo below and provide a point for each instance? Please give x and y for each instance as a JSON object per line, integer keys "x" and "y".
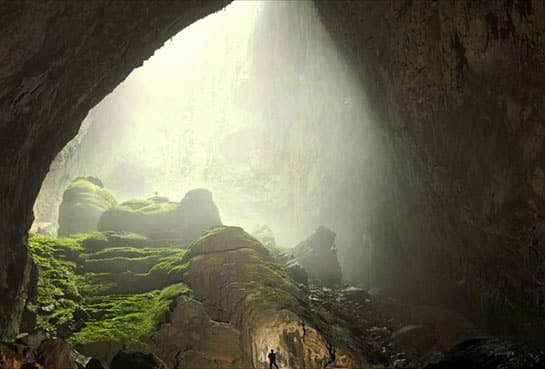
{"x": 253, "y": 103}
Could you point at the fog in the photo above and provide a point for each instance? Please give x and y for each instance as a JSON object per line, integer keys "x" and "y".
{"x": 254, "y": 103}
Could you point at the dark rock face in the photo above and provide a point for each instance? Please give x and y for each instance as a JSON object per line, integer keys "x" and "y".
{"x": 318, "y": 256}
{"x": 454, "y": 88}
{"x": 83, "y": 202}
{"x": 136, "y": 360}
{"x": 297, "y": 272}
{"x": 491, "y": 353}
{"x": 59, "y": 60}
{"x": 94, "y": 364}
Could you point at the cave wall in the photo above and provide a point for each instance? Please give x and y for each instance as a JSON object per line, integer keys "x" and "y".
{"x": 456, "y": 87}
{"x": 57, "y": 60}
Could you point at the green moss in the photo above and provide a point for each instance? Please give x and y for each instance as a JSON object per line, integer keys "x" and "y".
{"x": 57, "y": 288}
{"x": 90, "y": 191}
{"x": 131, "y": 252}
{"x": 167, "y": 269}
{"x": 122, "y": 304}
{"x": 126, "y": 317}
{"x": 93, "y": 242}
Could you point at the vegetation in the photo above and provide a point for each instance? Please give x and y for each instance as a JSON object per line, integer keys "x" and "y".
{"x": 155, "y": 217}
{"x": 101, "y": 290}
{"x": 108, "y": 286}
{"x": 126, "y": 317}
{"x": 91, "y": 191}
{"x": 84, "y": 200}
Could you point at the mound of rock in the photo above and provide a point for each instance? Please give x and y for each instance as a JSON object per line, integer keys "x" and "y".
{"x": 318, "y": 256}
{"x": 223, "y": 303}
{"x": 224, "y": 238}
{"x": 164, "y": 220}
{"x": 84, "y": 201}
{"x": 243, "y": 288}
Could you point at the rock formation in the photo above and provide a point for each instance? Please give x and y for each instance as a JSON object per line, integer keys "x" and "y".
{"x": 84, "y": 201}
{"x": 318, "y": 255}
{"x": 163, "y": 220}
{"x": 47, "y": 89}
{"x": 224, "y": 302}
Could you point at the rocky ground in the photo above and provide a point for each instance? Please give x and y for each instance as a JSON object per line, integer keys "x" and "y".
{"x": 112, "y": 299}
{"x": 128, "y": 300}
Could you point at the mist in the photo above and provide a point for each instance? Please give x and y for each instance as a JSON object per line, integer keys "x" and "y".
{"x": 254, "y": 103}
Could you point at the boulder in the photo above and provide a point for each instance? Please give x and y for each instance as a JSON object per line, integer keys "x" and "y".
{"x": 207, "y": 343}
{"x": 318, "y": 255}
{"x": 355, "y": 294}
{"x": 414, "y": 339}
{"x": 57, "y": 354}
{"x": 491, "y": 353}
{"x": 84, "y": 201}
{"x": 34, "y": 339}
{"x": 94, "y": 364}
{"x": 125, "y": 359}
{"x": 163, "y": 220}
{"x": 297, "y": 272}
{"x": 197, "y": 212}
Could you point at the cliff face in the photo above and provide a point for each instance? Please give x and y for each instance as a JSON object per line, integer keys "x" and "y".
{"x": 456, "y": 89}
{"x": 45, "y": 49}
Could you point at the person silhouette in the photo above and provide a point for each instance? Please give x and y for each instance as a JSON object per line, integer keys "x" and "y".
{"x": 272, "y": 359}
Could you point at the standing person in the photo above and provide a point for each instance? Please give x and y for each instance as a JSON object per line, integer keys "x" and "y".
{"x": 272, "y": 359}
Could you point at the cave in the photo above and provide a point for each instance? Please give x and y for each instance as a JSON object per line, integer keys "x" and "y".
{"x": 423, "y": 135}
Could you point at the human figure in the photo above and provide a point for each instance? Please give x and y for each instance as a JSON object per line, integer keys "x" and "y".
{"x": 272, "y": 359}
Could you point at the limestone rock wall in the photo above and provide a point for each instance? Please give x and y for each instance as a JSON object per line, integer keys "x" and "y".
{"x": 456, "y": 89}
{"x": 57, "y": 61}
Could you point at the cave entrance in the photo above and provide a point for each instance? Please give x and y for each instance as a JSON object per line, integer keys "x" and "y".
{"x": 254, "y": 103}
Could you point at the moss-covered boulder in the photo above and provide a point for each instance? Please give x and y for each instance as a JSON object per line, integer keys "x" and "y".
{"x": 243, "y": 286}
{"x": 318, "y": 256}
{"x": 224, "y": 238}
{"x": 162, "y": 220}
{"x": 84, "y": 201}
